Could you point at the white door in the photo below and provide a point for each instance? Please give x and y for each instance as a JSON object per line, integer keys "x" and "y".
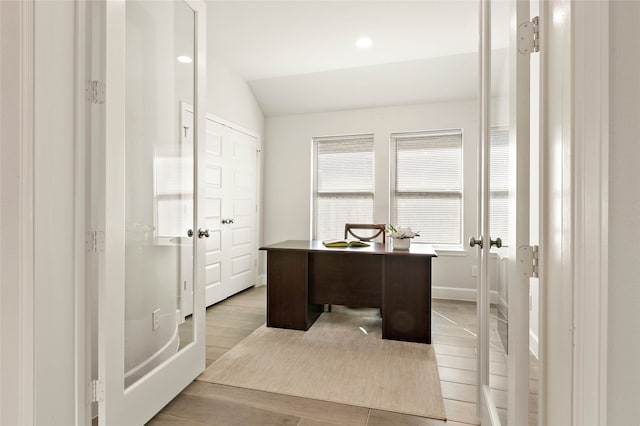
{"x": 230, "y": 211}
{"x": 239, "y": 212}
{"x": 214, "y": 169}
{"x": 503, "y": 303}
{"x": 154, "y": 60}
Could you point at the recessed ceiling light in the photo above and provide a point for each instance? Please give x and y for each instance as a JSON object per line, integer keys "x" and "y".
{"x": 364, "y": 42}
{"x": 185, "y": 59}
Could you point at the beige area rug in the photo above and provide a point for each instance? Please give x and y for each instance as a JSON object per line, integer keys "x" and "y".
{"x": 335, "y": 360}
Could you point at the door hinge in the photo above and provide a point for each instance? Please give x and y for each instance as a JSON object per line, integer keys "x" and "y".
{"x": 528, "y": 261}
{"x": 94, "y": 243}
{"x": 95, "y": 92}
{"x": 97, "y": 391}
{"x": 529, "y": 36}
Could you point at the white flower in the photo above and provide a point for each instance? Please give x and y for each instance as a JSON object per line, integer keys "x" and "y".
{"x": 401, "y": 233}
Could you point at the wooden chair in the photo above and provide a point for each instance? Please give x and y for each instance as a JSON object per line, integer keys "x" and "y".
{"x": 379, "y": 229}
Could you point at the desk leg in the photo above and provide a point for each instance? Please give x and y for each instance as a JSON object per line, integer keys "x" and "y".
{"x": 406, "y": 299}
{"x": 288, "y": 291}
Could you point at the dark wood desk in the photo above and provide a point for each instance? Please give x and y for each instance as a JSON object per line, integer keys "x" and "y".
{"x": 304, "y": 275}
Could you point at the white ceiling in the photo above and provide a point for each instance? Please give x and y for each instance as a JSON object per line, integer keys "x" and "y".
{"x": 300, "y": 56}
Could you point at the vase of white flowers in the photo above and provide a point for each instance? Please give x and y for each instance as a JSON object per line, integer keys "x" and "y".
{"x": 401, "y": 237}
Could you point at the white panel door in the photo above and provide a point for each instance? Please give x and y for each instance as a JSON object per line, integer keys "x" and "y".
{"x": 230, "y": 210}
{"x": 215, "y": 290}
{"x": 150, "y": 200}
{"x": 503, "y": 373}
{"x": 239, "y": 210}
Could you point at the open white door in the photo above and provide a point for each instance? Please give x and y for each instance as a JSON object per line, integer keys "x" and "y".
{"x": 154, "y": 60}
{"x": 503, "y": 304}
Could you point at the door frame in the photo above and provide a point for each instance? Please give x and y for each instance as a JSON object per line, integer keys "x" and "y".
{"x": 17, "y": 261}
{"x": 591, "y": 124}
{"x": 574, "y": 140}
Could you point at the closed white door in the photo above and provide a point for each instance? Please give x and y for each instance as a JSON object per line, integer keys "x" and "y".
{"x": 214, "y": 196}
{"x": 239, "y": 212}
{"x": 230, "y": 210}
{"x": 150, "y": 204}
{"x": 503, "y": 308}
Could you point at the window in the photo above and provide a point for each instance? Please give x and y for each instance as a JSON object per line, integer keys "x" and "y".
{"x": 426, "y": 185}
{"x": 343, "y": 184}
{"x": 173, "y": 167}
{"x": 499, "y": 184}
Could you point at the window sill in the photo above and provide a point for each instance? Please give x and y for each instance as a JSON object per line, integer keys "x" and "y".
{"x": 450, "y": 251}
{"x": 453, "y": 251}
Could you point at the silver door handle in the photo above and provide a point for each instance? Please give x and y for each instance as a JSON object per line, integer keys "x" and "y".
{"x": 495, "y": 243}
{"x": 475, "y": 241}
{"x": 227, "y": 221}
{"x": 203, "y": 233}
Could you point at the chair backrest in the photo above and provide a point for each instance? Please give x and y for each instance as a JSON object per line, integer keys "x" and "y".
{"x": 378, "y": 229}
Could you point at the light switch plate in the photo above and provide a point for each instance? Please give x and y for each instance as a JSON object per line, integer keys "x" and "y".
{"x": 474, "y": 271}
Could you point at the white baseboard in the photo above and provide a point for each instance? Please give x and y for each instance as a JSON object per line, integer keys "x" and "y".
{"x": 533, "y": 344}
{"x": 452, "y": 293}
{"x": 261, "y": 280}
{"x": 464, "y": 294}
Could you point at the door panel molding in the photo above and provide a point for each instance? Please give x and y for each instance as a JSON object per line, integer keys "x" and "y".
{"x": 583, "y": 128}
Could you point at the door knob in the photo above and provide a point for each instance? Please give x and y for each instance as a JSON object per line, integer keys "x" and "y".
{"x": 190, "y": 233}
{"x": 227, "y": 221}
{"x": 203, "y": 233}
{"x": 475, "y": 241}
{"x": 495, "y": 243}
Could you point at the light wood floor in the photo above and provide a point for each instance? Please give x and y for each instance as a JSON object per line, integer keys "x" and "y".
{"x": 453, "y": 323}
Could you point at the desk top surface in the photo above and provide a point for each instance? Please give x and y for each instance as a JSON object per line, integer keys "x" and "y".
{"x": 416, "y": 249}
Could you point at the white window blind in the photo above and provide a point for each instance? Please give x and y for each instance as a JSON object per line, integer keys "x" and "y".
{"x": 173, "y": 167}
{"x": 499, "y": 184}
{"x": 343, "y": 184}
{"x": 426, "y": 192}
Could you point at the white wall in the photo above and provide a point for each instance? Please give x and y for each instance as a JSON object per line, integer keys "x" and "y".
{"x": 54, "y": 219}
{"x": 16, "y": 233}
{"x": 287, "y": 181}
{"x": 229, "y": 96}
{"x": 623, "y": 390}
